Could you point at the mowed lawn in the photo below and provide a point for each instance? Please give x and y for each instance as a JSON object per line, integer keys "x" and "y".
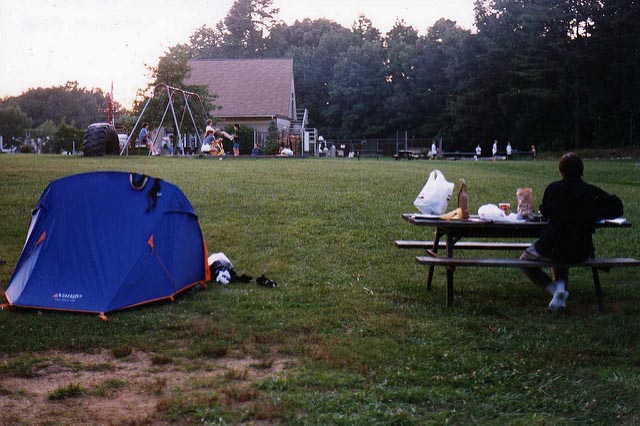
{"x": 358, "y": 337}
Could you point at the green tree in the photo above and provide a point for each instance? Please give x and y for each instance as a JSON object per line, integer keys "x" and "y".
{"x": 315, "y": 47}
{"x": 173, "y": 67}
{"x": 70, "y": 102}
{"x": 44, "y": 131}
{"x": 206, "y": 43}
{"x": 13, "y": 123}
{"x": 245, "y": 28}
{"x": 439, "y": 62}
{"x": 306, "y": 34}
{"x": 273, "y": 139}
{"x": 614, "y": 95}
{"x": 550, "y": 59}
{"x": 364, "y": 29}
{"x": 65, "y": 138}
{"x": 401, "y": 44}
{"x": 358, "y": 91}
{"x": 171, "y": 72}
{"x": 536, "y": 101}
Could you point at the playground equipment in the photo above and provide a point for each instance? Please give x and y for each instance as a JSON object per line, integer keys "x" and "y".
{"x": 171, "y": 93}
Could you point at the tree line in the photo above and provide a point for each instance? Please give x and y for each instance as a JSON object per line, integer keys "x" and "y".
{"x": 560, "y": 74}
{"x": 55, "y": 115}
{"x": 555, "y": 73}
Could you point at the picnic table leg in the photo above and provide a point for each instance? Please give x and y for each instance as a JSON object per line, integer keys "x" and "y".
{"x": 450, "y": 270}
{"x": 599, "y": 295}
{"x": 434, "y": 249}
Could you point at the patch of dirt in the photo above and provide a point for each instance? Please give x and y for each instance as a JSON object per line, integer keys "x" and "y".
{"x": 120, "y": 391}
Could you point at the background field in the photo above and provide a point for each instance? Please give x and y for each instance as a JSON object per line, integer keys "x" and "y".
{"x": 350, "y": 335}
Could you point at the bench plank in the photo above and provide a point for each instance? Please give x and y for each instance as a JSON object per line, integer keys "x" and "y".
{"x": 519, "y": 263}
{"x": 595, "y": 264}
{"x": 463, "y": 245}
{"x": 368, "y": 153}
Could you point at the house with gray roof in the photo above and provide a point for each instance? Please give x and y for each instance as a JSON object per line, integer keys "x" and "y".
{"x": 250, "y": 92}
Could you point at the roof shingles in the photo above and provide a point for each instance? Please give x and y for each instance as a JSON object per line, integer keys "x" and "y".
{"x": 247, "y": 87}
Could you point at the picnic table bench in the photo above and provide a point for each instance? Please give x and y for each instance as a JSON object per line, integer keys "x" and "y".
{"x": 464, "y": 245}
{"x": 459, "y": 155}
{"x": 368, "y": 153}
{"x": 410, "y": 154}
{"x": 368, "y": 149}
{"x": 456, "y": 230}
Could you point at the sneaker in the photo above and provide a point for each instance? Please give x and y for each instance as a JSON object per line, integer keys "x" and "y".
{"x": 551, "y": 289}
{"x": 559, "y": 300}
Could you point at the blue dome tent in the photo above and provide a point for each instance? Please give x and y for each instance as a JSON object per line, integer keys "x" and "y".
{"x": 104, "y": 241}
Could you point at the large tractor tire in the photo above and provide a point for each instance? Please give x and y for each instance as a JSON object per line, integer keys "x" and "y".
{"x": 100, "y": 139}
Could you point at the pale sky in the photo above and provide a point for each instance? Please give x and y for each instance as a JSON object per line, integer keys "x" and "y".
{"x": 45, "y": 43}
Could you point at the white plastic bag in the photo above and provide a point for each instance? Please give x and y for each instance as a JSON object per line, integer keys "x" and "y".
{"x": 435, "y": 195}
{"x": 495, "y": 213}
{"x": 491, "y": 212}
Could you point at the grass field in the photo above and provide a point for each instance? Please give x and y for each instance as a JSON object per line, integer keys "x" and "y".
{"x": 350, "y": 335}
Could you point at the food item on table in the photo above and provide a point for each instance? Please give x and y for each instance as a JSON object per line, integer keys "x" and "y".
{"x": 463, "y": 199}
{"x": 453, "y": 214}
{"x": 505, "y": 207}
{"x": 525, "y": 203}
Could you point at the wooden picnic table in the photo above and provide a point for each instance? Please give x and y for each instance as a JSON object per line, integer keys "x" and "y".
{"x": 456, "y": 233}
{"x": 368, "y": 153}
{"x": 409, "y": 154}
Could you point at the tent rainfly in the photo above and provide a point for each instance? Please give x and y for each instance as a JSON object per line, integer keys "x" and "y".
{"x": 104, "y": 241}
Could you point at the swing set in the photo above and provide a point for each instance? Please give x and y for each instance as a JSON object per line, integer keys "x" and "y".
{"x": 170, "y": 92}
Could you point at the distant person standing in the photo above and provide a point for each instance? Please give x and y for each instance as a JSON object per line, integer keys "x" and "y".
{"x": 533, "y": 151}
{"x": 494, "y": 149}
{"x": 209, "y": 126}
{"x": 236, "y": 140}
{"x": 478, "y": 152}
{"x": 434, "y": 151}
{"x": 509, "y": 151}
{"x": 207, "y": 142}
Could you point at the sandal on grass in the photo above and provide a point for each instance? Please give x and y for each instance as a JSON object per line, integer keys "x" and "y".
{"x": 266, "y": 282}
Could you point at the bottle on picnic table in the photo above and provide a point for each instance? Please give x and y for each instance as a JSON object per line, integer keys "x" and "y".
{"x": 463, "y": 199}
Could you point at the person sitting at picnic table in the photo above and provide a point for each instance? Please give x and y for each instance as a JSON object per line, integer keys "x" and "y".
{"x": 571, "y": 207}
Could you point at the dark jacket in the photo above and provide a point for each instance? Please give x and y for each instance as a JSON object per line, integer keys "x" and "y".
{"x": 572, "y": 206}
